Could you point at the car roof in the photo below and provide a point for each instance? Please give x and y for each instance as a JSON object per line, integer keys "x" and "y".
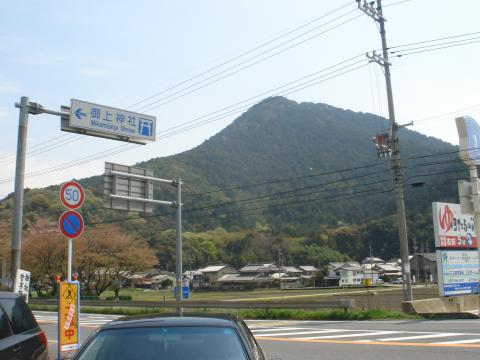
{"x": 8, "y": 295}
{"x": 171, "y": 320}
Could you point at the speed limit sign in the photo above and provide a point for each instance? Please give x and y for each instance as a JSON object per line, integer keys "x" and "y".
{"x": 72, "y": 195}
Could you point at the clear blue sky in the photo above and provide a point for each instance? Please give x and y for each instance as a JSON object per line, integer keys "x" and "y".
{"x": 120, "y": 52}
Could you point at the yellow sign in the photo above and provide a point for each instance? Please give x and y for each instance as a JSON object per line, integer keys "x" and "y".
{"x": 368, "y": 282}
{"x": 68, "y": 308}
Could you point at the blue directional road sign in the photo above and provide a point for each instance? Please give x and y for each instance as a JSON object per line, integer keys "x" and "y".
{"x": 71, "y": 224}
{"x": 110, "y": 121}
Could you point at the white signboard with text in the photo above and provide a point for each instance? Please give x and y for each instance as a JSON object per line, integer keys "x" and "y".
{"x": 111, "y": 120}
{"x": 22, "y": 283}
{"x": 452, "y": 228}
{"x": 458, "y": 272}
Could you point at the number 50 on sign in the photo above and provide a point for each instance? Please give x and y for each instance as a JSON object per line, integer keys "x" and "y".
{"x": 72, "y": 195}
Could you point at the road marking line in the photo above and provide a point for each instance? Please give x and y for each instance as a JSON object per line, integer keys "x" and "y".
{"x": 321, "y": 294}
{"x": 300, "y": 333}
{"x": 469, "y": 341}
{"x": 81, "y": 324}
{"x": 428, "y": 336}
{"x": 376, "y": 343}
{"x": 275, "y": 329}
{"x": 373, "y": 333}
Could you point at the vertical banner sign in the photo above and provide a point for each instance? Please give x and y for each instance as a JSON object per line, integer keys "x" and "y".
{"x": 22, "y": 283}
{"x": 68, "y": 317}
{"x": 452, "y": 228}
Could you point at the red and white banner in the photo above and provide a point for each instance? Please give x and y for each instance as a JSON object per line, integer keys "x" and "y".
{"x": 452, "y": 228}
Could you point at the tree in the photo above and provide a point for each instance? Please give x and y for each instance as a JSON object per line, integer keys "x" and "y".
{"x": 108, "y": 256}
{"x": 44, "y": 255}
{"x": 166, "y": 283}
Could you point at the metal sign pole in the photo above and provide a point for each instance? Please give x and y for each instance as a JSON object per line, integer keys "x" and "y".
{"x": 19, "y": 185}
{"x": 70, "y": 246}
{"x": 179, "y": 271}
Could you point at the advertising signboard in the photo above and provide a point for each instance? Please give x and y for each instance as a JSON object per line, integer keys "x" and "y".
{"x": 452, "y": 228}
{"x": 458, "y": 272}
{"x": 68, "y": 316}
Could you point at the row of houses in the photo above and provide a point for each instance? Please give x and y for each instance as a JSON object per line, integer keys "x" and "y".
{"x": 377, "y": 271}
{"x": 351, "y": 273}
{"x": 253, "y": 276}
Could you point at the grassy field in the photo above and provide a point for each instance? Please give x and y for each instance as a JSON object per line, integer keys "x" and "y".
{"x": 374, "y": 304}
{"x": 261, "y": 294}
{"x": 272, "y": 314}
{"x": 273, "y": 294}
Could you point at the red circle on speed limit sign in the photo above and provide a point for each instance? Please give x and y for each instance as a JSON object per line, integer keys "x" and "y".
{"x": 72, "y": 195}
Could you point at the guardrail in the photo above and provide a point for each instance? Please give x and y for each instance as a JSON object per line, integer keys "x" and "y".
{"x": 344, "y": 304}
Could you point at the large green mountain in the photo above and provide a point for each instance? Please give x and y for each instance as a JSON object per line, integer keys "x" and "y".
{"x": 287, "y": 169}
{"x": 277, "y": 140}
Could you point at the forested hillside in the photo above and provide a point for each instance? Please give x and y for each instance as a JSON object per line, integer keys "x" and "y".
{"x": 303, "y": 178}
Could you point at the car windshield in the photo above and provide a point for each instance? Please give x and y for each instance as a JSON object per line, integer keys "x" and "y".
{"x": 172, "y": 343}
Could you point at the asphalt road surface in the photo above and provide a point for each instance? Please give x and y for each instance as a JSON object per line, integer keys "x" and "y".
{"x": 336, "y": 340}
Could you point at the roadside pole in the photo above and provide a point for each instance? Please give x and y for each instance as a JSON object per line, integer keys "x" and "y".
{"x": 78, "y": 119}
{"x": 16, "y": 246}
{"x": 70, "y": 250}
{"x": 377, "y": 15}
{"x": 179, "y": 272}
{"x": 131, "y": 188}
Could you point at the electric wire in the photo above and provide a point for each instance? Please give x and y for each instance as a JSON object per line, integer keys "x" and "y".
{"x": 406, "y": 53}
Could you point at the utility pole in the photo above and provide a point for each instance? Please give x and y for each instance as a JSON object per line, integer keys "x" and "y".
{"x": 377, "y": 15}
{"x": 179, "y": 271}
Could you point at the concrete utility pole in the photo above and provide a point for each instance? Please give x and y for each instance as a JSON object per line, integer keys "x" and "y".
{"x": 16, "y": 246}
{"x": 26, "y": 107}
{"x": 179, "y": 271}
{"x": 377, "y": 15}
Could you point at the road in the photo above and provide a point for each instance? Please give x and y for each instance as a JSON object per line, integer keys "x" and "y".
{"x": 336, "y": 340}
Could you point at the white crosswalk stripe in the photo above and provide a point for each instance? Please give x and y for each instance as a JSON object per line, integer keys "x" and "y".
{"x": 418, "y": 337}
{"x": 372, "y": 333}
{"x": 300, "y": 333}
{"x": 85, "y": 319}
{"x": 468, "y": 341}
{"x": 257, "y": 330}
{"x": 308, "y": 332}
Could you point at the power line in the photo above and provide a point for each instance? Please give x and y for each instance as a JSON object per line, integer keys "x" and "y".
{"x": 124, "y": 147}
{"x": 435, "y": 49}
{"x": 167, "y": 99}
{"x": 434, "y": 40}
{"x": 261, "y": 198}
{"x": 242, "y": 54}
{"x": 235, "y": 58}
{"x": 398, "y": 46}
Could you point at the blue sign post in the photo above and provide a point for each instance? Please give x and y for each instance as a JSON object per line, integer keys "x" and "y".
{"x": 185, "y": 292}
